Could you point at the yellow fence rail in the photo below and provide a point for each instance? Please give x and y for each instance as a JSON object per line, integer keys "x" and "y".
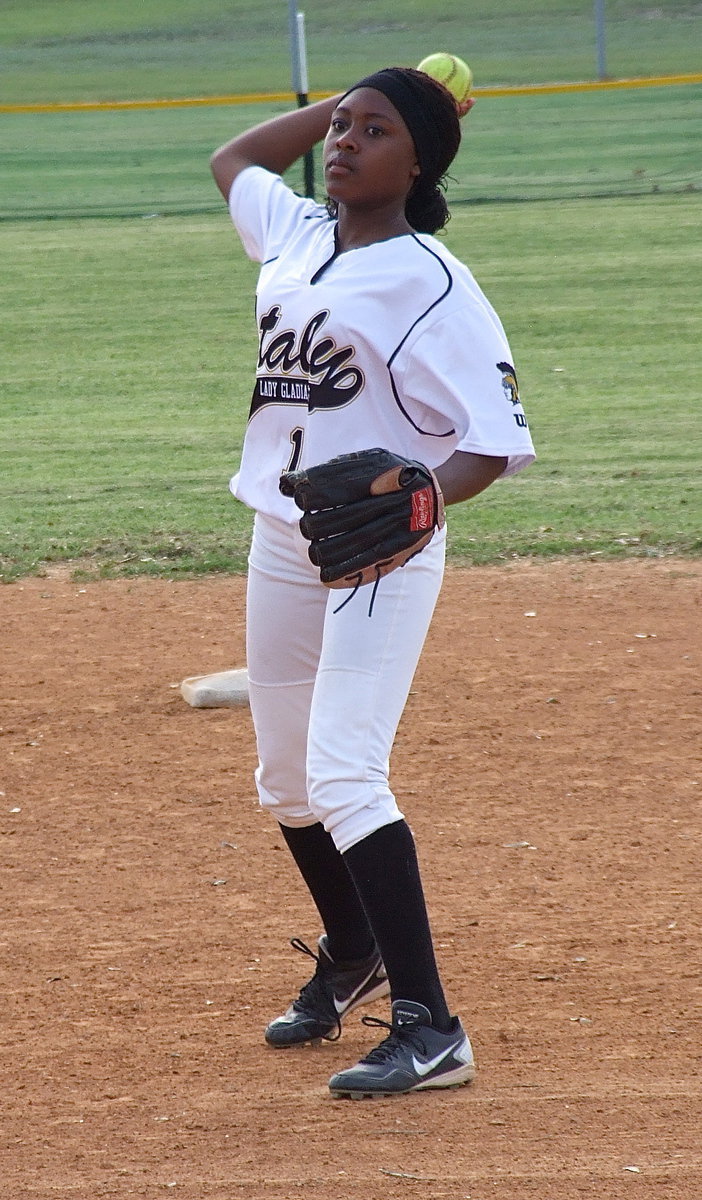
{"x": 279, "y": 97}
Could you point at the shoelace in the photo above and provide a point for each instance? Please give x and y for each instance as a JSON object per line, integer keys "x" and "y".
{"x": 399, "y": 1035}
{"x": 318, "y": 994}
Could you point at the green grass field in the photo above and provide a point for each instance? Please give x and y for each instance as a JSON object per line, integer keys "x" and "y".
{"x": 80, "y": 50}
{"x": 638, "y": 142}
{"x": 127, "y": 343}
{"x": 131, "y": 346}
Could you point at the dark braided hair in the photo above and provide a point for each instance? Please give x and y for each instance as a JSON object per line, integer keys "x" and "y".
{"x": 426, "y": 208}
{"x": 429, "y": 111}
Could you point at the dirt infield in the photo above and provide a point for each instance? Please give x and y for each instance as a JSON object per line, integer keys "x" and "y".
{"x": 550, "y": 764}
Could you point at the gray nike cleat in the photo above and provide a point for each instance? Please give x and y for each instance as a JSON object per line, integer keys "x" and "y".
{"x": 412, "y": 1057}
{"x": 335, "y": 989}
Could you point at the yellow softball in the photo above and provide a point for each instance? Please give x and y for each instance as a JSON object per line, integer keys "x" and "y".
{"x": 450, "y": 70}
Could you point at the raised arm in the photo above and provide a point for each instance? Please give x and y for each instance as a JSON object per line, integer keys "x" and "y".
{"x": 275, "y": 144}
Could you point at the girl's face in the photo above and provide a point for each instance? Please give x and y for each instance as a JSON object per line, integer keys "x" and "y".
{"x": 369, "y": 156}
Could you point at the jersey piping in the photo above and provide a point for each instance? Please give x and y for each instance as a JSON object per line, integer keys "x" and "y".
{"x": 325, "y": 265}
{"x": 396, "y": 351}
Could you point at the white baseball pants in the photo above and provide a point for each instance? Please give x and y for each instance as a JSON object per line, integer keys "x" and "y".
{"x": 327, "y": 688}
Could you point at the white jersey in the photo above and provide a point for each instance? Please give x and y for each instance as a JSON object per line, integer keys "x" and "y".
{"x": 390, "y": 345}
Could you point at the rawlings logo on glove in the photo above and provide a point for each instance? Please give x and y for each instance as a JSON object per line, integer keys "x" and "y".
{"x": 365, "y": 514}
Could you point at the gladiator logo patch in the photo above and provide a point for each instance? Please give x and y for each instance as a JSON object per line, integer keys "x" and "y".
{"x": 510, "y": 387}
{"x": 311, "y": 370}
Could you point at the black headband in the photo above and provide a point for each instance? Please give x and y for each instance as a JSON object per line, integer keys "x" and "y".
{"x": 408, "y": 95}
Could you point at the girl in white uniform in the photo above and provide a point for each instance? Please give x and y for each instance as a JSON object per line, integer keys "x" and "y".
{"x": 371, "y": 334}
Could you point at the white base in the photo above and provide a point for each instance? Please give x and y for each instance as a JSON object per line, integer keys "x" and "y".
{"x": 225, "y": 689}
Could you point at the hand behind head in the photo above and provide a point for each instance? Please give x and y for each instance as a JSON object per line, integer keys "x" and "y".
{"x": 465, "y": 106}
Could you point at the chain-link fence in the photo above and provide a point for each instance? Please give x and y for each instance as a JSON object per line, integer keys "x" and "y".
{"x": 58, "y": 50}
{"x": 614, "y": 141}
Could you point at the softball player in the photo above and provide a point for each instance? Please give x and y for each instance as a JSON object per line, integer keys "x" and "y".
{"x": 370, "y": 334}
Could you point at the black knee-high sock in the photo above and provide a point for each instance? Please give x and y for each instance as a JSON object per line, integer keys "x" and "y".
{"x": 323, "y": 869}
{"x": 385, "y": 870}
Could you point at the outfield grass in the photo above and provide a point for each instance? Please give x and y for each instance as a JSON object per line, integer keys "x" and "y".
{"x": 537, "y": 147}
{"x": 127, "y": 345}
{"x": 57, "y": 50}
{"x": 131, "y": 345}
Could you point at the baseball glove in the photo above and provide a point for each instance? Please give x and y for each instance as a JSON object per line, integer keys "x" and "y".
{"x": 365, "y": 514}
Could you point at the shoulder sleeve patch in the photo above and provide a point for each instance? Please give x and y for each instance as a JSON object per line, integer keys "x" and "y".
{"x": 509, "y": 382}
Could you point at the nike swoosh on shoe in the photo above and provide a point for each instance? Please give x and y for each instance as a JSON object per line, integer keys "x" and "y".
{"x": 423, "y": 1068}
{"x": 342, "y": 1005}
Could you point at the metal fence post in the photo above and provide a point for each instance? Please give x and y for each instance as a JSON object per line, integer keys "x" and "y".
{"x": 600, "y": 39}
